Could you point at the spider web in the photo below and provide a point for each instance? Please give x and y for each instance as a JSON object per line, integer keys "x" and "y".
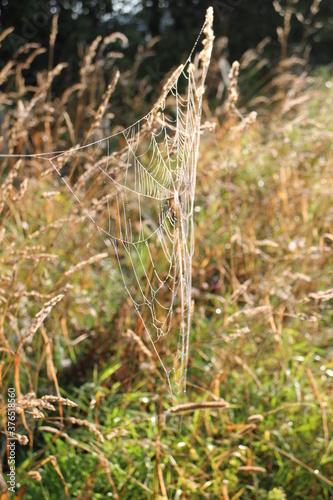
{"x": 145, "y": 177}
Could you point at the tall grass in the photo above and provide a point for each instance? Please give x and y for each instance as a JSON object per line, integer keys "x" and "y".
{"x": 94, "y": 419}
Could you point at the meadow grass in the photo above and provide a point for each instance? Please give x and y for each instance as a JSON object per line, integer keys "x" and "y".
{"x": 95, "y": 418}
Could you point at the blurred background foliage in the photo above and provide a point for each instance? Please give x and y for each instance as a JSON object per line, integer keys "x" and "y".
{"x": 176, "y": 23}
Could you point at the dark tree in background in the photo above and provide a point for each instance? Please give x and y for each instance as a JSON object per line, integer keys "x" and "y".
{"x": 175, "y": 22}
{"x": 79, "y": 22}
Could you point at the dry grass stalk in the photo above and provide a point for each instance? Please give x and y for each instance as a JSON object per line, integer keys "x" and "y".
{"x": 24, "y": 49}
{"x": 247, "y": 121}
{"x": 46, "y": 85}
{"x": 283, "y": 33}
{"x": 322, "y": 295}
{"x": 59, "y": 434}
{"x": 113, "y": 37}
{"x": 242, "y": 363}
{"x": 291, "y": 457}
{"x": 103, "y": 105}
{"x": 17, "y": 257}
{"x": 159, "y": 468}
{"x": 50, "y": 194}
{"x": 40, "y": 317}
{"x": 246, "y": 430}
{"x": 206, "y": 53}
{"x": 51, "y": 370}
{"x": 4, "y": 488}
{"x": 251, "y": 468}
{"x": 142, "y": 347}
{"x": 255, "y": 418}
{"x": 22, "y": 190}
{"x": 166, "y": 89}
{"x": 88, "y": 262}
{"x": 196, "y": 406}
{"x": 133, "y": 336}
{"x": 7, "y": 186}
{"x": 116, "y": 433}
{"x": 321, "y": 404}
{"x": 5, "y": 33}
{"x": 225, "y": 493}
{"x": 61, "y": 400}
{"x": 106, "y": 467}
{"x": 72, "y": 219}
{"x": 249, "y": 312}
{"x": 30, "y": 401}
{"x": 230, "y": 104}
{"x": 70, "y": 126}
{"x": 23, "y": 440}
{"x": 35, "y": 475}
{"x": 27, "y": 63}
{"x": 54, "y": 30}
{"x": 87, "y": 69}
{"x": 6, "y": 71}
{"x": 314, "y": 9}
{"x": 88, "y": 425}
{"x": 53, "y": 36}
{"x": 77, "y": 87}
{"x": 54, "y": 462}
